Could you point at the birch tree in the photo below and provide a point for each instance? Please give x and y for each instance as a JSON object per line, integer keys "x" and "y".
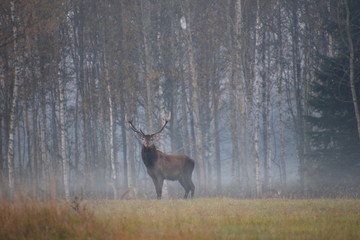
{"x": 64, "y": 161}
{"x": 165, "y": 190}
{"x": 195, "y": 106}
{"x": 113, "y": 176}
{"x": 234, "y": 89}
{"x": 159, "y": 63}
{"x": 10, "y": 149}
{"x": 266, "y": 85}
{"x": 280, "y": 90}
{"x": 350, "y": 44}
{"x": 257, "y": 103}
{"x": 149, "y": 75}
{"x": 297, "y": 111}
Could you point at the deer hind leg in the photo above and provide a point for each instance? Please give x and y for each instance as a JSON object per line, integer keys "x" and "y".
{"x": 192, "y": 188}
{"x": 187, "y": 177}
{"x": 186, "y": 187}
{"x": 190, "y": 185}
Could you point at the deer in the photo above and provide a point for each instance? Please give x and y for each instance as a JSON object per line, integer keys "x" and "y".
{"x": 129, "y": 194}
{"x": 161, "y": 166}
{"x": 271, "y": 193}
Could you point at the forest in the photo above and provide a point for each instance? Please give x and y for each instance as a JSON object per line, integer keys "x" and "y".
{"x": 262, "y": 95}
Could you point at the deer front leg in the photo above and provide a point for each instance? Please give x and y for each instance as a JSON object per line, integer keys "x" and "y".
{"x": 158, "y": 182}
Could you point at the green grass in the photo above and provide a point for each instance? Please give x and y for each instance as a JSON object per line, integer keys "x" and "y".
{"x": 184, "y": 219}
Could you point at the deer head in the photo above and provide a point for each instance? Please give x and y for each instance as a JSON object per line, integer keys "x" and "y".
{"x": 147, "y": 140}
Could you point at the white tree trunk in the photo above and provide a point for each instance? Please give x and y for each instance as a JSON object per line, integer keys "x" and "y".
{"x": 44, "y": 155}
{"x": 242, "y": 101}
{"x": 195, "y": 106}
{"x": 256, "y": 136}
{"x": 351, "y": 67}
{"x": 234, "y": 98}
{"x": 257, "y": 106}
{"x": 65, "y": 164}
{"x": 269, "y": 140}
{"x": 161, "y": 103}
{"x": 281, "y": 100}
{"x": 10, "y": 150}
{"x": 165, "y": 190}
{"x": 267, "y": 149}
{"x": 148, "y": 64}
{"x": 130, "y": 160}
{"x": 111, "y": 136}
{"x": 148, "y": 78}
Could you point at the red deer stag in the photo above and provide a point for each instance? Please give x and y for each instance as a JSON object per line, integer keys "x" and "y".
{"x": 271, "y": 193}
{"x": 129, "y": 194}
{"x": 161, "y": 166}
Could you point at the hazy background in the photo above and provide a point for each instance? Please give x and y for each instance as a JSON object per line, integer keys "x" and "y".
{"x": 263, "y": 95}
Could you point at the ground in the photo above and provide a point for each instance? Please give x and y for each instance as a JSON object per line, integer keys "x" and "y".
{"x": 216, "y": 218}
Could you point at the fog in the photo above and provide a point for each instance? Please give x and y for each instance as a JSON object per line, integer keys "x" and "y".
{"x": 262, "y": 96}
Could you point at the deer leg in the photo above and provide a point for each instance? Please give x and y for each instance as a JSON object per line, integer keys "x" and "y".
{"x": 185, "y": 186}
{"x": 192, "y": 188}
{"x": 158, "y": 186}
{"x": 189, "y": 185}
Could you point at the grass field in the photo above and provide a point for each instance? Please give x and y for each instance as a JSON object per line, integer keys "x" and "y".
{"x": 218, "y": 218}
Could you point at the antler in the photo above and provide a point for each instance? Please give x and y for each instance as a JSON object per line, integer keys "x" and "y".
{"x": 130, "y": 121}
{"x": 132, "y": 127}
{"x": 165, "y": 121}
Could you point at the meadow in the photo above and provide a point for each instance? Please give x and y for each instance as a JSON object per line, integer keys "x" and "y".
{"x": 215, "y": 218}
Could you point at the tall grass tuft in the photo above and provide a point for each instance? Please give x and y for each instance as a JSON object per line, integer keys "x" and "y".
{"x": 50, "y": 220}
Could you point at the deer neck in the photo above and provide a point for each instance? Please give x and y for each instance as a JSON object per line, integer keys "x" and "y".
{"x": 149, "y": 155}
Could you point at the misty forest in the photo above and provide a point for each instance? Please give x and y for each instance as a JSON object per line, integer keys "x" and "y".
{"x": 262, "y": 95}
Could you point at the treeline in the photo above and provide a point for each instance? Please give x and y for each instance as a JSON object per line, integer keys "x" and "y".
{"x": 236, "y": 75}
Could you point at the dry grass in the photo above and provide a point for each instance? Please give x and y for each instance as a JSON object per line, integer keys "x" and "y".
{"x": 180, "y": 219}
{"x": 53, "y": 220}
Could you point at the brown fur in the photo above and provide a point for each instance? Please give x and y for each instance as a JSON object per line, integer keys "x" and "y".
{"x": 161, "y": 166}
